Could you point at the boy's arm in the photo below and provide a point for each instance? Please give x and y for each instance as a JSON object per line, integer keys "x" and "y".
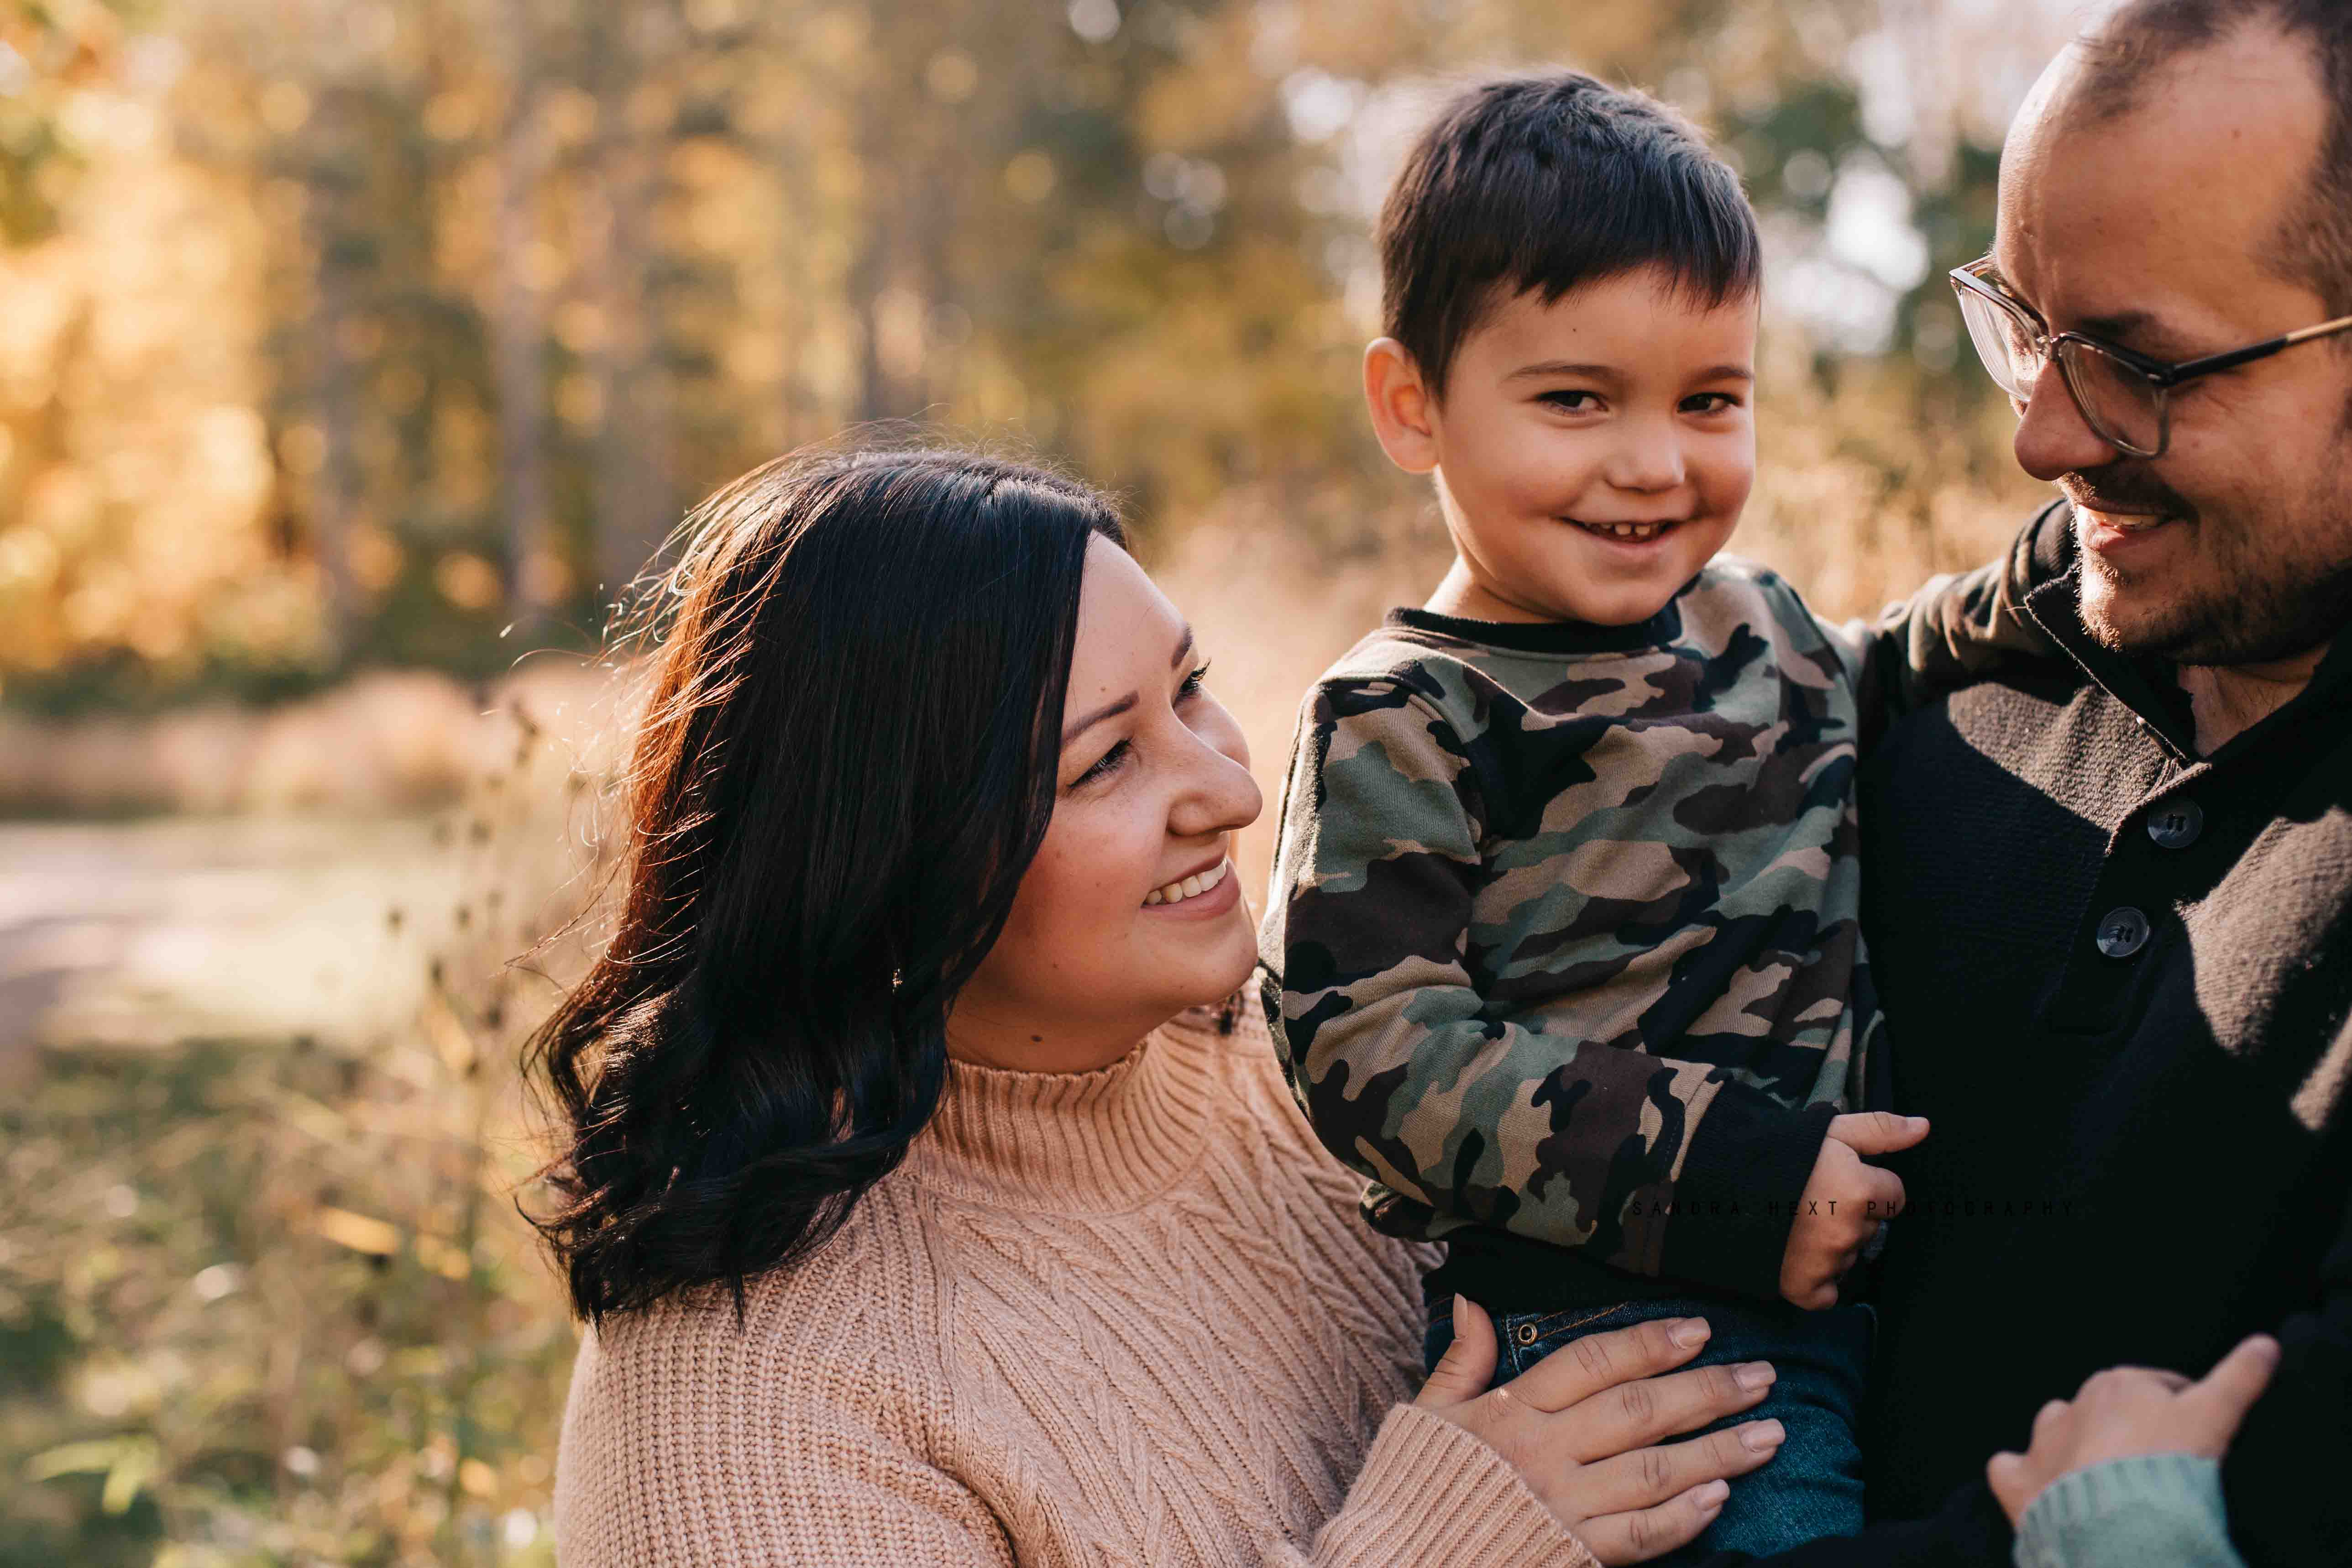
{"x": 1406, "y": 1075}
{"x": 1957, "y": 630}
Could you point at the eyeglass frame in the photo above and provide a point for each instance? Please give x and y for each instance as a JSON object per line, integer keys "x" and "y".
{"x": 2162, "y": 375}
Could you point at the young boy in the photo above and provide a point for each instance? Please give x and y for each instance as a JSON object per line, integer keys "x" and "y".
{"x": 1562, "y": 949}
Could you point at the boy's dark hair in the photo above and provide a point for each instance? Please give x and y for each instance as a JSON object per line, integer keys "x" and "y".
{"x": 1545, "y": 182}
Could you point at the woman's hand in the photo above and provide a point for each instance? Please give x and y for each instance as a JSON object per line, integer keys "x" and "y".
{"x": 2128, "y": 1410}
{"x": 1582, "y": 1426}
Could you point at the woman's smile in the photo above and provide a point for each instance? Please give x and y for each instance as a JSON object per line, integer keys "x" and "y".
{"x": 1208, "y": 892}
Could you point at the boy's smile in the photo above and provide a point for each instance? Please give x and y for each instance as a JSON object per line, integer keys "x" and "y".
{"x": 1591, "y": 454}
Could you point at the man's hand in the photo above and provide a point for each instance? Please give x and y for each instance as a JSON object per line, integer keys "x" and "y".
{"x": 1845, "y": 1201}
{"x": 2128, "y": 1410}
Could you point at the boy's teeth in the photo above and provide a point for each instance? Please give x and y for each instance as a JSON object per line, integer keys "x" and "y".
{"x": 1628, "y": 529}
{"x": 1190, "y": 887}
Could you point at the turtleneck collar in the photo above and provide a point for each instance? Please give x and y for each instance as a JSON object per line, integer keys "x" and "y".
{"x": 1102, "y": 1141}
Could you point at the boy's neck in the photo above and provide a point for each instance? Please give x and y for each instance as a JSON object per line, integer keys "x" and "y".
{"x": 1461, "y": 595}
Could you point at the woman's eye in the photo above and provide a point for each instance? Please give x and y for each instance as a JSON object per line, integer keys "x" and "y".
{"x": 1193, "y": 684}
{"x": 1710, "y": 402}
{"x": 1573, "y": 402}
{"x": 1105, "y": 765}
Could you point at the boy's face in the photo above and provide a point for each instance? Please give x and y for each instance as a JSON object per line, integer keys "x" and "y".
{"x": 1590, "y": 454}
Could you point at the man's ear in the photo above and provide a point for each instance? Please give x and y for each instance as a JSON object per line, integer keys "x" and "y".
{"x": 1403, "y": 409}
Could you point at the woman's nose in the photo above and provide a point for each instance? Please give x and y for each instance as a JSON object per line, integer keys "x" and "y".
{"x": 1221, "y": 795}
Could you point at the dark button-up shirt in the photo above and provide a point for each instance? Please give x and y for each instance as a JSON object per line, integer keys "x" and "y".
{"x": 2118, "y": 976}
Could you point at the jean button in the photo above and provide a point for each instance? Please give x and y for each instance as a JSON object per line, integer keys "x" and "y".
{"x": 1527, "y": 1335}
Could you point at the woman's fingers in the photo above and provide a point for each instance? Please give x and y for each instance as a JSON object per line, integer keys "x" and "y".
{"x": 1582, "y": 1368}
{"x": 1468, "y": 1364}
{"x": 1638, "y": 1536}
{"x": 1635, "y": 1414}
{"x": 1648, "y": 1476}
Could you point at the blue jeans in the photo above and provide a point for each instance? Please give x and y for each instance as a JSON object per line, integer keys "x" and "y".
{"x": 1812, "y": 1487}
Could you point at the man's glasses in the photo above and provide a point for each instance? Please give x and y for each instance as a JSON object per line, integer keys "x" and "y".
{"x": 2122, "y": 395}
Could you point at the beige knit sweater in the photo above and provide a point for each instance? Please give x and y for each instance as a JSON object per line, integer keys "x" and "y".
{"x": 1117, "y": 1317}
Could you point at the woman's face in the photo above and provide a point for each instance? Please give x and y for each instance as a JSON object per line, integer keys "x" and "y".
{"x": 1133, "y": 911}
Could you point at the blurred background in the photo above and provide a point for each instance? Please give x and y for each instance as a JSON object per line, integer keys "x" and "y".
{"x": 355, "y": 354}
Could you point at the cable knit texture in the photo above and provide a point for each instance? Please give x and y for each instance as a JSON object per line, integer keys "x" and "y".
{"x": 1117, "y": 1317}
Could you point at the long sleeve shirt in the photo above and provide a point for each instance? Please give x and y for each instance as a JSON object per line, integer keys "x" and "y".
{"x": 2119, "y": 973}
{"x": 1563, "y": 933}
{"x": 1126, "y": 1316}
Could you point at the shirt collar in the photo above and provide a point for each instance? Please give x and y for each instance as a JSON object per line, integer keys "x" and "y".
{"x": 2146, "y": 686}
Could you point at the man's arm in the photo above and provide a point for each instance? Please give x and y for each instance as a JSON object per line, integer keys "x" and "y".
{"x": 1408, "y": 1076}
{"x": 1957, "y": 630}
{"x": 2288, "y": 1474}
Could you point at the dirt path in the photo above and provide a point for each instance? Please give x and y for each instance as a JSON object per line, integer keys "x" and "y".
{"x": 142, "y": 932}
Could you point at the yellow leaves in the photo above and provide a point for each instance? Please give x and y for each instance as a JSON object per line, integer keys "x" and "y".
{"x": 285, "y": 106}
{"x": 951, "y": 76}
{"x": 28, "y": 560}
{"x": 1030, "y": 176}
{"x": 448, "y": 1261}
{"x": 451, "y": 1041}
{"x": 376, "y": 557}
{"x": 302, "y": 447}
{"x": 380, "y": 1238}
{"x": 128, "y": 1464}
{"x": 451, "y": 115}
{"x": 466, "y": 580}
{"x": 357, "y": 1231}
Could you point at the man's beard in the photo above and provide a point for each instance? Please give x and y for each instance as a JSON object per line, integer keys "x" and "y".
{"x": 2260, "y": 598}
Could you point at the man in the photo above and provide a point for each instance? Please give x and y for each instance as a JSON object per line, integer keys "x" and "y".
{"x": 2109, "y": 897}
{"x": 2110, "y": 906}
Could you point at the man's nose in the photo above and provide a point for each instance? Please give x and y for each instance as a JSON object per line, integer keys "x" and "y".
{"x": 2053, "y": 438}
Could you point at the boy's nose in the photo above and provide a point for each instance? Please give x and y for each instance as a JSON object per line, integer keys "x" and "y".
{"x": 1648, "y": 461}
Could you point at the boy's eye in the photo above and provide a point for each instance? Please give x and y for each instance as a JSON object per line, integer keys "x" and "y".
{"x": 1710, "y": 402}
{"x": 1574, "y": 401}
{"x": 1105, "y": 765}
{"x": 1193, "y": 684}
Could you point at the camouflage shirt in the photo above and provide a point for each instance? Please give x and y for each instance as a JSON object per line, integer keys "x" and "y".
{"x": 1562, "y": 940}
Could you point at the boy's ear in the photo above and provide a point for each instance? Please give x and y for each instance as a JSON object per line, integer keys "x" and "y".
{"x": 1403, "y": 411}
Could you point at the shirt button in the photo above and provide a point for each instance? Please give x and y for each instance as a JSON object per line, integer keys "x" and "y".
{"x": 2177, "y": 824}
{"x": 2123, "y": 933}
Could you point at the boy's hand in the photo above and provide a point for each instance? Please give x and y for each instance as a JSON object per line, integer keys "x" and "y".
{"x": 2129, "y": 1410}
{"x": 1844, "y": 1204}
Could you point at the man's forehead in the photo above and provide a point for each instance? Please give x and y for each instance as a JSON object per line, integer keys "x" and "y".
{"x": 2177, "y": 186}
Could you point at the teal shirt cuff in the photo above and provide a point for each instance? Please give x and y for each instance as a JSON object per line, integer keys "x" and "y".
{"x": 2151, "y": 1510}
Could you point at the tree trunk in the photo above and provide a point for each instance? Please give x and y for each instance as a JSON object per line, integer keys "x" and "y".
{"x": 633, "y": 488}
{"x": 518, "y": 330}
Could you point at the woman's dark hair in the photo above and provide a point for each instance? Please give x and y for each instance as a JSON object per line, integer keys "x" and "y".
{"x": 846, "y": 763}
{"x": 1545, "y": 182}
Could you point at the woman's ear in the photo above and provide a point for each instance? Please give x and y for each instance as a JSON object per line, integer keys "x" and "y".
{"x": 1404, "y": 410}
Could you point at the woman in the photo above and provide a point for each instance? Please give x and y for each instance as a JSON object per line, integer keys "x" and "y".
{"x": 930, "y": 1199}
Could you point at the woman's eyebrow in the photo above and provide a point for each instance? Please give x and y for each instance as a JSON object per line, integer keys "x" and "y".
{"x": 1085, "y": 722}
{"x": 1119, "y": 705}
